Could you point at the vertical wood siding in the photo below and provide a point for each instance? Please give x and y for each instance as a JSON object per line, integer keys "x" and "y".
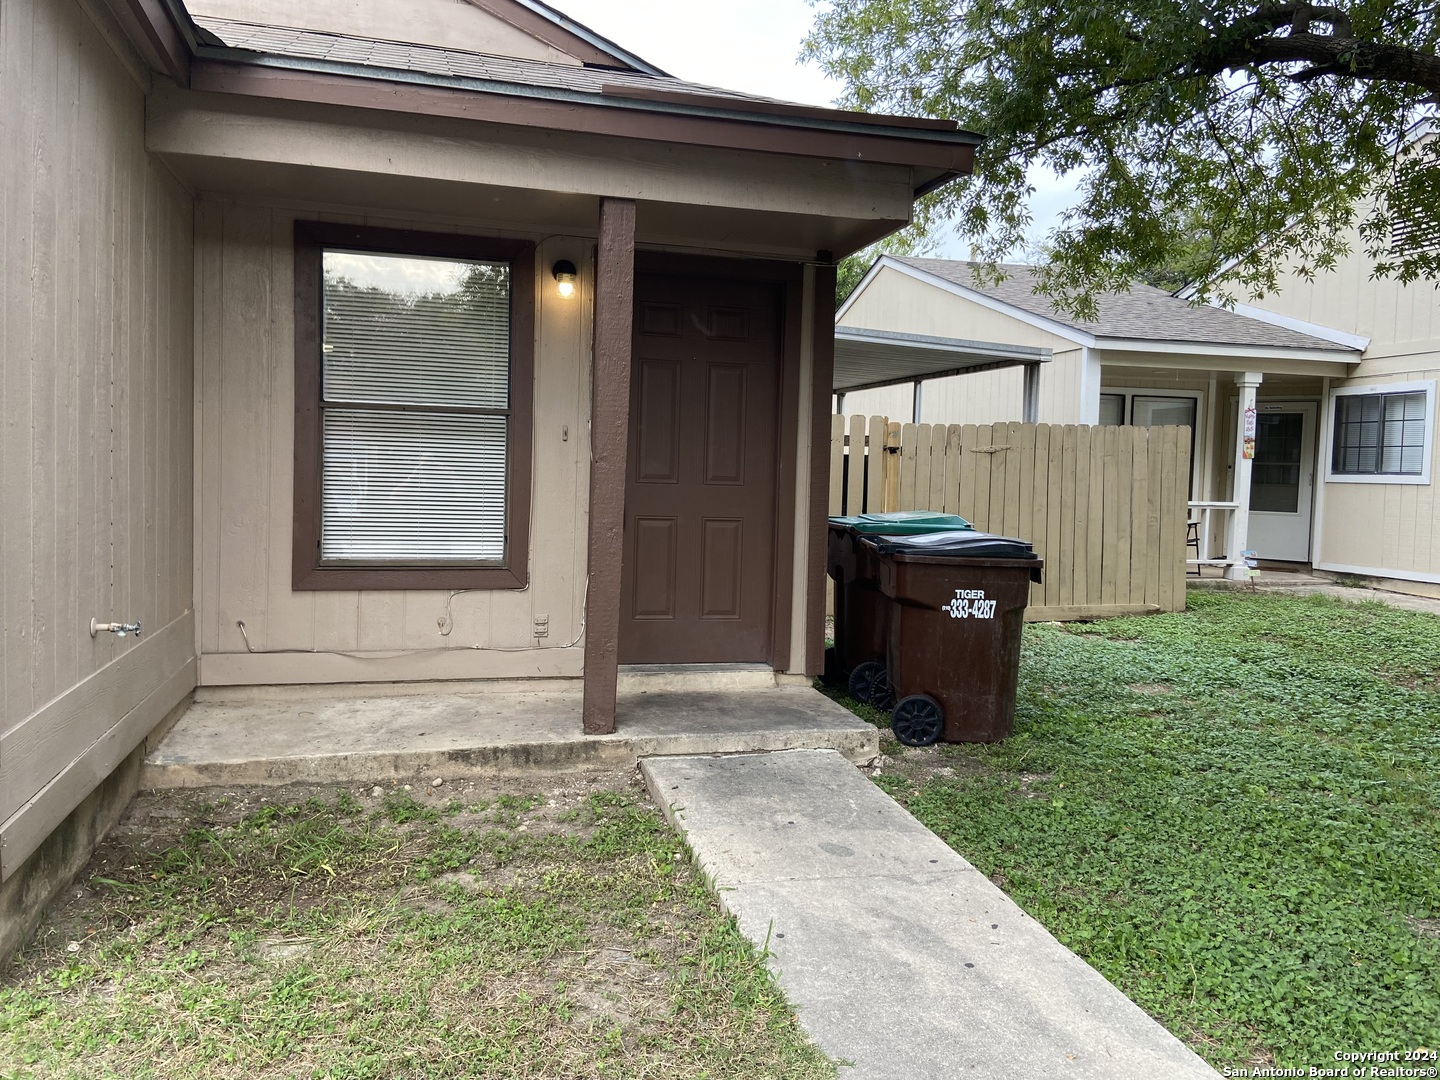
{"x": 245, "y": 280}
{"x": 95, "y": 449}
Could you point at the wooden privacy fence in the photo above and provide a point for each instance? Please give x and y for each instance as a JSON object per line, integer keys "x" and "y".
{"x": 1105, "y": 506}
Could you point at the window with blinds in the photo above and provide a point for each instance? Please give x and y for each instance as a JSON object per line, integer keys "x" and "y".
{"x": 414, "y": 410}
{"x": 1380, "y": 434}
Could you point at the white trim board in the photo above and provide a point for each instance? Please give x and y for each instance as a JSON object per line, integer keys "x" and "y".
{"x": 1377, "y": 572}
{"x": 1300, "y": 326}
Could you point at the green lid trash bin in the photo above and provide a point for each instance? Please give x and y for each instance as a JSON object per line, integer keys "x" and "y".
{"x": 857, "y": 659}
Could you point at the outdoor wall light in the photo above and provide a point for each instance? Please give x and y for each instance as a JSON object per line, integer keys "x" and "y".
{"x": 564, "y": 272}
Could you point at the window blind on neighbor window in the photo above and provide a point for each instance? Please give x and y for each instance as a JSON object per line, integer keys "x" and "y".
{"x": 1380, "y": 433}
{"x": 414, "y": 401}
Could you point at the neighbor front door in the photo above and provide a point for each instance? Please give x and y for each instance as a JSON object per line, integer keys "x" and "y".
{"x": 699, "y": 559}
{"x": 1282, "y": 480}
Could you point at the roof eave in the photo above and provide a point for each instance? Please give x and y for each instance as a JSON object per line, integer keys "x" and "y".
{"x": 230, "y": 71}
{"x": 1226, "y": 350}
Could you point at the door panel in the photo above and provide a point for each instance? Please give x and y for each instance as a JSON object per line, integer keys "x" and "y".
{"x": 1282, "y": 480}
{"x": 699, "y": 548}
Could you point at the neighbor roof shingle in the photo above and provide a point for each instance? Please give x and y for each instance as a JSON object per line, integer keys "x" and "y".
{"x": 1143, "y": 314}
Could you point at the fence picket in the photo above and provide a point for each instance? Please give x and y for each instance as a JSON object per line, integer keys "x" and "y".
{"x": 837, "y": 464}
{"x": 855, "y": 477}
{"x": 892, "y": 466}
{"x": 1095, "y": 523}
{"x": 1116, "y": 510}
{"x": 1058, "y": 580}
{"x": 909, "y": 447}
{"x": 1104, "y": 506}
{"x": 952, "y": 469}
{"x": 875, "y": 472}
{"x": 1079, "y": 513}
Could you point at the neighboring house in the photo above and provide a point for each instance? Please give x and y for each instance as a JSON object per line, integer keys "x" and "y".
{"x": 318, "y": 362}
{"x": 1341, "y": 371}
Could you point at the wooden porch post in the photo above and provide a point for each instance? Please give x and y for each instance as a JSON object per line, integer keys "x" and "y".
{"x": 609, "y": 446}
{"x": 822, "y": 370}
{"x": 1240, "y": 496}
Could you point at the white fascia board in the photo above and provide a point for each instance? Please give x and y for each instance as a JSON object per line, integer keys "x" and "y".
{"x": 1029, "y": 318}
{"x": 1325, "y": 333}
{"x": 1236, "y": 352}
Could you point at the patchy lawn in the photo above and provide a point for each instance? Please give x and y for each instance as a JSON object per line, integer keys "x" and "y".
{"x": 1233, "y": 813}
{"x": 546, "y": 928}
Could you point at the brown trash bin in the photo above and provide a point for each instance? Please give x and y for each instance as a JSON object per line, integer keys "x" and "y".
{"x": 862, "y": 614}
{"x": 953, "y": 649}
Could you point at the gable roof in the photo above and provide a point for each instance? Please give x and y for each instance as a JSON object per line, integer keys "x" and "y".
{"x": 1144, "y": 313}
{"x": 264, "y": 60}
{"x": 395, "y": 56}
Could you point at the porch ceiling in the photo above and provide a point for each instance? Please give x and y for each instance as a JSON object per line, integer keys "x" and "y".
{"x": 865, "y": 358}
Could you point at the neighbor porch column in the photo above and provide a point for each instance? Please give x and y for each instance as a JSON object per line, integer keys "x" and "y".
{"x": 1240, "y": 493}
{"x": 609, "y": 445}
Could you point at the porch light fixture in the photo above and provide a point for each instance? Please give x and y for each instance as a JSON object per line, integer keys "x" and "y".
{"x": 564, "y": 272}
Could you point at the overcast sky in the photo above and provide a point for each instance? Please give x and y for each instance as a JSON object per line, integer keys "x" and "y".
{"x": 749, "y": 45}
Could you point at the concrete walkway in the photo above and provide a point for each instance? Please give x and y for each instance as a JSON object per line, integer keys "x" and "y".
{"x": 900, "y": 957}
{"x": 335, "y": 734}
{"x": 1306, "y": 584}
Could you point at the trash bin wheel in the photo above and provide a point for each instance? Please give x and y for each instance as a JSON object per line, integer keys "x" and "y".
{"x": 917, "y": 720}
{"x": 834, "y": 673}
{"x": 870, "y": 683}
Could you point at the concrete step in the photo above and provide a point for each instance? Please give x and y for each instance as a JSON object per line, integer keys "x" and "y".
{"x": 900, "y": 957}
{"x": 280, "y": 737}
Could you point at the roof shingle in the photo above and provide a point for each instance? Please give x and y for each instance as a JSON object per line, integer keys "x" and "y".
{"x": 1144, "y": 313}
{"x": 447, "y": 63}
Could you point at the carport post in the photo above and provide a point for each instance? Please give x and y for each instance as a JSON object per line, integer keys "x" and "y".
{"x": 1030, "y": 410}
{"x": 609, "y": 445}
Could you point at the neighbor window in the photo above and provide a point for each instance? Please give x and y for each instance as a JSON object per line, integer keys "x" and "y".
{"x": 1382, "y": 433}
{"x": 412, "y": 409}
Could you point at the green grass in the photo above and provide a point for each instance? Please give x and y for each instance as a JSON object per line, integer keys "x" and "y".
{"x": 1233, "y": 813}
{"x": 324, "y": 937}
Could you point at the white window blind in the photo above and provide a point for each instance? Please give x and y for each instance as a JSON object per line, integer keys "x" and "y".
{"x": 415, "y": 410}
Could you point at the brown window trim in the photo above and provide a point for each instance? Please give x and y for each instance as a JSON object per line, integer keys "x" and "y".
{"x": 311, "y": 238}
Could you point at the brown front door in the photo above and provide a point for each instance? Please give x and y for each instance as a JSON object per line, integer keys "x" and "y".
{"x": 699, "y": 565}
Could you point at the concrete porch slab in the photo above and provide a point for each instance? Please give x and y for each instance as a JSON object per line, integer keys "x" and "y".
{"x": 283, "y": 738}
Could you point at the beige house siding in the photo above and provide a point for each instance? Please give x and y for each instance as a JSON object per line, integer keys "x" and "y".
{"x": 985, "y": 397}
{"x": 1382, "y": 529}
{"x": 245, "y": 280}
{"x": 896, "y": 301}
{"x": 1389, "y": 530}
{"x": 95, "y": 461}
{"x": 893, "y": 300}
{"x": 1401, "y": 321}
{"x": 244, "y": 448}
